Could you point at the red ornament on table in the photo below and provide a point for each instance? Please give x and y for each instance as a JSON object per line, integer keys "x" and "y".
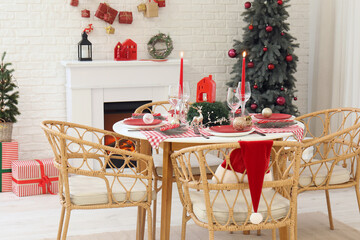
{"x": 206, "y": 90}
{"x": 295, "y": 98}
{"x": 256, "y": 86}
{"x": 280, "y": 2}
{"x": 232, "y": 53}
{"x": 250, "y": 64}
{"x": 253, "y": 106}
{"x": 289, "y": 58}
{"x": 247, "y": 5}
{"x": 74, "y": 3}
{"x": 251, "y": 27}
{"x": 85, "y": 13}
{"x": 280, "y": 100}
{"x": 265, "y": 49}
{"x": 269, "y": 28}
{"x": 271, "y": 66}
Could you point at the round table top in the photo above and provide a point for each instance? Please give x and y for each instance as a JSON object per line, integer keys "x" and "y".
{"x": 122, "y": 129}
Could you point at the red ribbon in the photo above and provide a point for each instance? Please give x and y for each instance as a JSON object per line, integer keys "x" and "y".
{"x": 44, "y": 181}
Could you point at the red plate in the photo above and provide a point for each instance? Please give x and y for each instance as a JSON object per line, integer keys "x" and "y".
{"x": 140, "y": 122}
{"x": 227, "y": 129}
{"x": 274, "y": 116}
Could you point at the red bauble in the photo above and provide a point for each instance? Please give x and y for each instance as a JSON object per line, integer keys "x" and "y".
{"x": 271, "y": 66}
{"x": 232, "y": 53}
{"x": 289, "y": 58}
{"x": 282, "y": 88}
{"x": 250, "y": 65}
{"x": 256, "y": 86}
{"x": 248, "y": 5}
{"x": 253, "y": 106}
{"x": 280, "y": 2}
{"x": 295, "y": 98}
{"x": 251, "y": 27}
{"x": 269, "y": 28}
{"x": 265, "y": 49}
{"x": 282, "y": 33}
{"x": 280, "y": 100}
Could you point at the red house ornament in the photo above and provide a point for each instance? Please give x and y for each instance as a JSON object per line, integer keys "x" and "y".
{"x": 206, "y": 90}
{"x": 125, "y": 51}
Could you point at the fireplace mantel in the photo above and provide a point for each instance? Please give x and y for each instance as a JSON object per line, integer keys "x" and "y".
{"x": 91, "y": 84}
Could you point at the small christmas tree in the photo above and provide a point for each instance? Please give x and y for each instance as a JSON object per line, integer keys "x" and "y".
{"x": 8, "y": 95}
{"x": 270, "y": 61}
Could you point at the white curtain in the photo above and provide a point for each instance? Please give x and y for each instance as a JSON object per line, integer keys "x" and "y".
{"x": 335, "y": 54}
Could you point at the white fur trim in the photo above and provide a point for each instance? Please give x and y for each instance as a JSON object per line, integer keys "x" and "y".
{"x": 223, "y": 175}
{"x": 256, "y": 218}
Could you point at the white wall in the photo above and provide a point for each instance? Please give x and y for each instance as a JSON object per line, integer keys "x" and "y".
{"x": 38, "y": 34}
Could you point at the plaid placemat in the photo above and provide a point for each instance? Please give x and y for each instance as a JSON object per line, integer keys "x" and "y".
{"x": 155, "y": 137}
{"x": 294, "y": 129}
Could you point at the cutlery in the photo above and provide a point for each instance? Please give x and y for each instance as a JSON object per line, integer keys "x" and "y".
{"x": 196, "y": 131}
{"x": 260, "y": 133}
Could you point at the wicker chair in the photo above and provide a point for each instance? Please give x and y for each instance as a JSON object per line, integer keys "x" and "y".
{"x": 333, "y": 137}
{"x": 84, "y": 180}
{"x": 220, "y": 206}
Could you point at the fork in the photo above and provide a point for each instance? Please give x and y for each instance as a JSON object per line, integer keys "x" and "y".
{"x": 196, "y": 131}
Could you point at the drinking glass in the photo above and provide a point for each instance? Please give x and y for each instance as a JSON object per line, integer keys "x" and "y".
{"x": 184, "y": 102}
{"x": 174, "y": 98}
{"x": 233, "y": 100}
{"x": 244, "y": 97}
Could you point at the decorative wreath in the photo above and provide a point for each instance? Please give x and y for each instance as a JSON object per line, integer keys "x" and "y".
{"x": 160, "y": 53}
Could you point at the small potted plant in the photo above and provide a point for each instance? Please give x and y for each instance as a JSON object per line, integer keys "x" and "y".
{"x": 8, "y": 101}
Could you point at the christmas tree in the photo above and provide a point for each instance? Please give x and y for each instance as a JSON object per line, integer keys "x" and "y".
{"x": 8, "y": 95}
{"x": 270, "y": 60}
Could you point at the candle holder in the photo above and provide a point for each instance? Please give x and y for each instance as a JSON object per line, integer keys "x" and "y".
{"x": 244, "y": 93}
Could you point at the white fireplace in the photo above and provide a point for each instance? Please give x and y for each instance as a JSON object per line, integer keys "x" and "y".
{"x": 91, "y": 84}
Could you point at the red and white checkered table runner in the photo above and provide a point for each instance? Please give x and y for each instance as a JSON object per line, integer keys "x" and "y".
{"x": 294, "y": 129}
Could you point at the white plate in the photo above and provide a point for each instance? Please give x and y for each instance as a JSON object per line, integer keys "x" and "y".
{"x": 235, "y": 134}
{"x": 141, "y": 127}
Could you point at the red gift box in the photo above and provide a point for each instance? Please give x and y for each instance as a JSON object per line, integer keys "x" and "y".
{"x": 34, "y": 177}
{"x": 85, "y": 13}
{"x": 74, "y": 3}
{"x": 8, "y": 154}
{"x": 161, "y": 3}
{"x": 106, "y": 13}
{"x": 125, "y": 17}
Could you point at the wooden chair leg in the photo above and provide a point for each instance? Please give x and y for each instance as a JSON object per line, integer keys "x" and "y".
{"x": 154, "y": 218}
{"x": 258, "y": 232}
{"x": 211, "y": 234}
{"x": 357, "y": 195}
{"x": 150, "y": 226}
{"x": 140, "y": 227}
{"x": 183, "y": 225}
{"x": 66, "y": 226}
{"x": 329, "y": 210}
{"x": 61, "y": 223}
{"x": 274, "y": 234}
{"x": 246, "y": 232}
{"x": 283, "y": 233}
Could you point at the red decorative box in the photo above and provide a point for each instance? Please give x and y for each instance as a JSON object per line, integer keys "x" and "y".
{"x": 161, "y": 3}
{"x": 74, "y": 3}
{"x": 85, "y": 13}
{"x": 34, "y": 177}
{"x": 106, "y": 13}
{"x": 125, "y": 17}
{"x": 8, "y": 154}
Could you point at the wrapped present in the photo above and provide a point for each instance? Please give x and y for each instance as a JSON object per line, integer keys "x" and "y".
{"x": 85, "y": 13}
{"x": 34, "y": 177}
{"x": 141, "y": 7}
{"x": 74, "y": 3}
{"x": 8, "y": 154}
{"x": 125, "y": 17}
{"x": 106, "y": 13}
{"x": 161, "y": 3}
{"x": 152, "y": 10}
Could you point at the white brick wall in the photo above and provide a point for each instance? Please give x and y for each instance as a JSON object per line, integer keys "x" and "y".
{"x": 38, "y": 34}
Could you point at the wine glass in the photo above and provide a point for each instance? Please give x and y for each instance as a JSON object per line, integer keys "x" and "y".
{"x": 184, "y": 101}
{"x": 174, "y": 98}
{"x": 233, "y": 100}
{"x": 244, "y": 97}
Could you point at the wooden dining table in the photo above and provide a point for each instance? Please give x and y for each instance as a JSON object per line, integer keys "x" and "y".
{"x": 169, "y": 146}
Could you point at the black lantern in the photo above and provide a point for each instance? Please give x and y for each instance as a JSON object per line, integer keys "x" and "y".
{"x": 84, "y": 48}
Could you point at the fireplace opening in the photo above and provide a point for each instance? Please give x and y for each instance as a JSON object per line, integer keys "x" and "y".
{"x": 114, "y": 112}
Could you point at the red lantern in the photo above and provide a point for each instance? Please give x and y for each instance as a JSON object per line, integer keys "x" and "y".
{"x": 269, "y": 28}
{"x": 248, "y": 5}
{"x": 250, "y": 64}
{"x": 271, "y": 66}
{"x": 251, "y": 27}
{"x": 206, "y": 90}
{"x": 289, "y": 58}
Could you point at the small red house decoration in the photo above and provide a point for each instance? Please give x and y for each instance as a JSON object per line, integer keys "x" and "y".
{"x": 206, "y": 90}
{"x": 125, "y": 51}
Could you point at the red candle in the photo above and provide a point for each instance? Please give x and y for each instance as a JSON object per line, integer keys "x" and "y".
{"x": 181, "y": 74}
{"x": 242, "y": 90}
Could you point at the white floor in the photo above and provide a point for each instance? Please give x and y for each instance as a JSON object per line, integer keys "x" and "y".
{"x": 36, "y": 217}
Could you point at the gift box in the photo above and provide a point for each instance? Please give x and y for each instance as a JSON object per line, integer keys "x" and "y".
{"x": 74, "y": 3}
{"x": 8, "y": 154}
{"x": 161, "y": 3}
{"x": 34, "y": 177}
{"x": 106, "y": 13}
{"x": 125, "y": 17}
{"x": 152, "y": 10}
{"x": 85, "y": 13}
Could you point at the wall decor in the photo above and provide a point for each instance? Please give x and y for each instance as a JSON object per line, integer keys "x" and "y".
{"x": 160, "y": 46}
{"x": 125, "y": 51}
{"x": 125, "y": 17}
{"x": 106, "y": 13}
{"x": 110, "y": 30}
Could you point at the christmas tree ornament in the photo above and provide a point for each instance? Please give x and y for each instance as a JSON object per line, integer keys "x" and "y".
{"x": 85, "y": 13}
{"x": 141, "y": 7}
{"x": 251, "y": 27}
{"x": 232, "y": 53}
{"x": 271, "y": 66}
{"x": 266, "y": 112}
{"x": 280, "y": 100}
{"x": 295, "y": 98}
{"x": 152, "y": 9}
{"x": 250, "y": 64}
{"x": 247, "y": 5}
{"x": 280, "y": 2}
{"x": 253, "y": 106}
{"x": 206, "y": 90}
{"x": 125, "y": 17}
{"x": 156, "y": 46}
{"x": 282, "y": 33}
{"x": 148, "y": 118}
{"x": 84, "y": 48}
{"x": 256, "y": 86}
{"x": 88, "y": 29}
{"x": 289, "y": 58}
{"x": 269, "y": 28}
{"x": 282, "y": 89}
{"x": 265, "y": 49}
{"x": 106, "y": 13}
{"x": 110, "y": 30}
{"x": 242, "y": 123}
{"x": 74, "y": 3}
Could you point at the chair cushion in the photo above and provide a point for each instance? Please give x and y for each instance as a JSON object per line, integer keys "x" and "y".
{"x": 279, "y": 208}
{"x": 211, "y": 160}
{"x": 338, "y": 176}
{"x": 86, "y": 190}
